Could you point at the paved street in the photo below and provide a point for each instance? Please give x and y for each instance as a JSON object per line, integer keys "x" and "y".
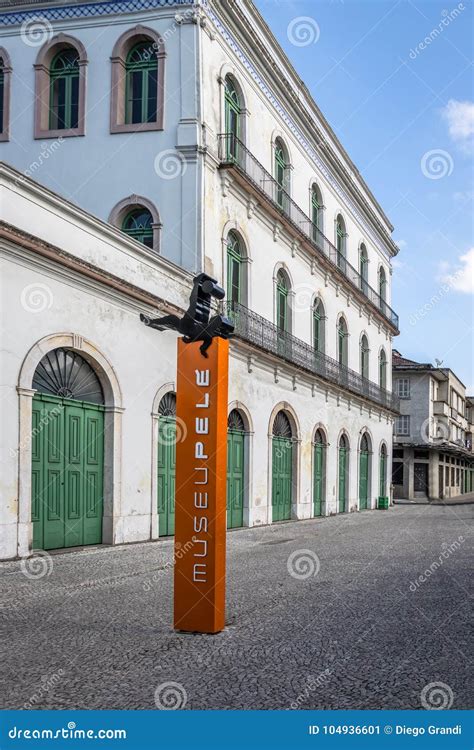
{"x": 363, "y": 632}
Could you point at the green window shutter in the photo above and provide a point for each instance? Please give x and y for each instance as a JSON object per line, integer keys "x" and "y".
{"x": 141, "y": 84}
{"x": 234, "y": 269}
{"x": 282, "y": 303}
{"x": 233, "y": 116}
{"x": 64, "y": 90}
{"x": 138, "y": 224}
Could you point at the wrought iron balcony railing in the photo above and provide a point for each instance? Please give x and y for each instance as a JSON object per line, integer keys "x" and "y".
{"x": 252, "y": 328}
{"x": 232, "y": 152}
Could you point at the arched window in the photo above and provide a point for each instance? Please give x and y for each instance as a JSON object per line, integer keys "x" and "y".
{"x": 138, "y": 217}
{"x": 65, "y": 374}
{"x": 341, "y": 236}
{"x": 364, "y": 268}
{"x": 382, "y": 285}
{"x": 382, "y": 369}
{"x": 364, "y": 357}
{"x": 141, "y": 94}
{"x": 137, "y": 96}
{"x": 282, "y": 174}
{"x": 317, "y": 209}
{"x": 364, "y": 444}
{"x": 60, "y": 72}
{"x": 233, "y": 117}
{"x": 5, "y": 73}
{"x": 64, "y": 90}
{"x": 138, "y": 225}
{"x": 282, "y": 426}
{"x": 319, "y": 326}
{"x": 342, "y": 336}
{"x": 234, "y": 268}
{"x": 282, "y": 306}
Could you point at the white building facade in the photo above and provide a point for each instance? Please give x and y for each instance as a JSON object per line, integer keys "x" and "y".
{"x": 195, "y": 147}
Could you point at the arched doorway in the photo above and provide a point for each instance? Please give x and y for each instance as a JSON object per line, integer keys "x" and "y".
{"x": 383, "y": 471}
{"x": 319, "y": 463}
{"x": 67, "y": 452}
{"x": 282, "y": 467}
{"x": 364, "y": 472}
{"x": 166, "y": 464}
{"x": 343, "y": 471}
{"x": 236, "y": 447}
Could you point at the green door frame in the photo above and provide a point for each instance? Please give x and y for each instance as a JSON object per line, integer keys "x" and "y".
{"x": 166, "y": 475}
{"x": 319, "y": 459}
{"x": 342, "y": 483}
{"x": 364, "y": 463}
{"x": 236, "y": 440}
{"x": 282, "y": 478}
{"x": 67, "y": 472}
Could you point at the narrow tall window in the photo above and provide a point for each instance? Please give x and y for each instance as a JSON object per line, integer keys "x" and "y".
{"x": 382, "y": 286}
{"x": 318, "y": 326}
{"x": 234, "y": 269}
{"x": 341, "y": 242}
{"x": 282, "y": 302}
{"x": 138, "y": 225}
{"x": 342, "y": 335}
{"x": 382, "y": 369}
{"x": 364, "y": 269}
{"x": 233, "y": 115}
{"x": 281, "y": 174}
{"x": 141, "y": 84}
{"x": 364, "y": 357}
{"x": 316, "y": 212}
{"x": 64, "y": 90}
{"x": 2, "y": 96}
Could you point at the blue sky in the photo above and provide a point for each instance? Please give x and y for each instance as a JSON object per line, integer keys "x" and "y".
{"x": 395, "y": 104}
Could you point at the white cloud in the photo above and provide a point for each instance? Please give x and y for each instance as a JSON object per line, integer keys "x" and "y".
{"x": 401, "y": 244}
{"x": 460, "y": 119}
{"x": 461, "y": 279}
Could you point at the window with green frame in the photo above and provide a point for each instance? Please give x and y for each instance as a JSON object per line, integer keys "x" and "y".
{"x": 316, "y": 211}
{"x": 382, "y": 369}
{"x": 282, "y": 302}
{"x": 281, "y": 173}
{"x": 233, "y": 115}
{"x": 382, "y": 284}
{"x": 234, "y": 268}
{"x": 141, "y": 83}
{"x": 363, "y": 268}
{"x": 138, "y": 223}
{"x": 340, "y": 241}
{"x": 364, "y": 357}
{"x": 64, "y": 90}
{"x": 342, "y": 335}
{"x": 318, "y": 326}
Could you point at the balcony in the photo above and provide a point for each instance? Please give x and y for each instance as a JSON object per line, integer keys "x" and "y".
{"x": 233, "y": 154}
{"x": 259, "y": 332}
{"x": 441, "y": 408}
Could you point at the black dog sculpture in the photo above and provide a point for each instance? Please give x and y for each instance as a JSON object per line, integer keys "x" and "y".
{"x": 195, "y": 324}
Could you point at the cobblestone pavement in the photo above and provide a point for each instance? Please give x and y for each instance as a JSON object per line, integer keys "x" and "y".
{"x": 363, "y": 632}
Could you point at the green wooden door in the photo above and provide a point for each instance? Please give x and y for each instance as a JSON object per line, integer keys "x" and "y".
{"x": 67, "y": 472}
{"x": 166, "y": 474}
{"x": 235, "y": 478}
{"x": 342, "y": 495}
{"x": 282, "y": 478}
{"x": 383, "y": 474}
{"x": 318, "y": 491}
{"x": 363, "y": 480}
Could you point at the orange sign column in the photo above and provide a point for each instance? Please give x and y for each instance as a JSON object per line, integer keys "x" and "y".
{"x": 201, "y": 477}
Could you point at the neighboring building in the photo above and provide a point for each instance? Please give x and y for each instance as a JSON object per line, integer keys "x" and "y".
{"x": 432, "y": 450}
{"x": 189, "y": 143}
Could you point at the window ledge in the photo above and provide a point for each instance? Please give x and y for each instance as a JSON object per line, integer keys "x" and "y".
{"x": 136, "y": 127}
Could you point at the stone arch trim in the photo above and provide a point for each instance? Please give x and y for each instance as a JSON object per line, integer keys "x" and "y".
{"x": 238, "y": 228}
{"x": 112, "y": 435}
{"x": 366, "y": 431}
{"x": 88, "y": 350}
{"x": 344, "y": 432}
{"x": 41, "y": 66}
{"x": 322, "y": 428}
{"x": 7, "y": 72}
{"x": 117, "y": 98}
{"x": 245, "y": 413}
{"x": 169, "y": 387}
{"x": 291, "y": 413}
{"x": 138, "y": 201}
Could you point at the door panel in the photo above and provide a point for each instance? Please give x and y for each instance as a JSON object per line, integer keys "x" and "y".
{"x": 67, "y": 473}
{"x": 318, "y": 479}
{"x": 342, "y": 498}
{"x": 363, "y": 480}
{"x": 235, "y": 479}
{"x": 282, "y": 479}
{"x": 166, "y": 475}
